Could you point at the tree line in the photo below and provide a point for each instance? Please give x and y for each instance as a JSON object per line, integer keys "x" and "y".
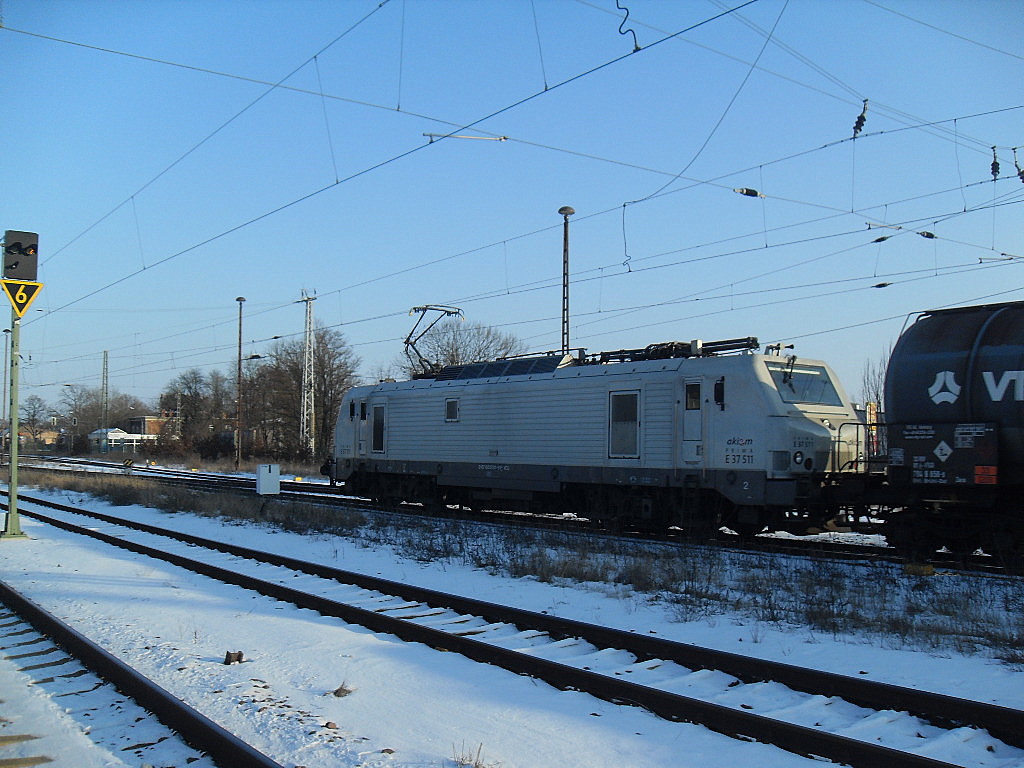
{"x": 198, "y": 412}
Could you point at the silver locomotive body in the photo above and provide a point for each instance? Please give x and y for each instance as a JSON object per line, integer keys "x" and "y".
{"x": 694, "y": 440}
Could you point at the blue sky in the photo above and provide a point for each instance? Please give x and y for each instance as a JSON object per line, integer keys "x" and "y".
{"x": 175, "y": 155}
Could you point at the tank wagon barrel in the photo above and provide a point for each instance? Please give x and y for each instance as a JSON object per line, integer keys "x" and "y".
{"x": 954, "y": 400}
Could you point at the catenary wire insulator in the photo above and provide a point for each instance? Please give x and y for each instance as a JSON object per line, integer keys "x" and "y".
{"x": 858, "y": 125}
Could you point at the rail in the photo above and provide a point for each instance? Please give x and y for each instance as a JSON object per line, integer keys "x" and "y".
{"x": 1002, "y": 722}
{"x": 195, "y": 728}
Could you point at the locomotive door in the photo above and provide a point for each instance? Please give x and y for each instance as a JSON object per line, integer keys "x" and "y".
{"x": 693, "y": 422}
{"x": 361, "y": 429}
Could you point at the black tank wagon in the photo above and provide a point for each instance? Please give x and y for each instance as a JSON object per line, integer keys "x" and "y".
{"x": 954, "y": 399}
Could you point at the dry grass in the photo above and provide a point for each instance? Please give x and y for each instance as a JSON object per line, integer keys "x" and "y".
{"x": 854, "y": 601}
{"x": 464, "y": 758}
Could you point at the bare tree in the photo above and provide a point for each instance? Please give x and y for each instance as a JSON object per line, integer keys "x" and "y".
{"x": 205, "y": 405}
{"x": 454, "y": 342}
{"x": 78, "y": 402}
{"x": 202, "y": 421}
{"x": 872, "y": 382}
{"x": 386, "y": 371}
{"x": 85, "y": 406}
{"x": 221, "y": 394}
{"x": 33, "y": 412}
{"x": 273, "y": 393}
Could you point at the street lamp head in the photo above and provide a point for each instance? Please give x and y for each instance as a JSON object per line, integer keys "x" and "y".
{"x": 240, "y": 299}
{"x": 566, "y": 211}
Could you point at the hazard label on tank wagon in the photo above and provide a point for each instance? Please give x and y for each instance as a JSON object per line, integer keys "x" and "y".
{"x": 946, "y": 454}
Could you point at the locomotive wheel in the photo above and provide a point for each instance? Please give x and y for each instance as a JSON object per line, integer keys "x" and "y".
{"x": 701, "y": 529}
{"x": 746, "y": 521}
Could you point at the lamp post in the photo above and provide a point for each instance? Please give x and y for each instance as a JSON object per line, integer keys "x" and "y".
{"x": 238, "y": 389}
{"x": 565, "y": 212}
{"x": 73, "y": 403}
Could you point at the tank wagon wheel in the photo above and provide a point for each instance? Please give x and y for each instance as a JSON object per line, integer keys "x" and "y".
{"x": 1013, "y": 562}
{"x": 1006, "y": 547}
{"x": 963, "y": 543}
{"x": 607, "y": 523}
{"x": 912, "y": 536}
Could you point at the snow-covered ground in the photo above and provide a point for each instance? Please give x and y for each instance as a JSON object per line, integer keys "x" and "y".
{"x": 407, "y": 705}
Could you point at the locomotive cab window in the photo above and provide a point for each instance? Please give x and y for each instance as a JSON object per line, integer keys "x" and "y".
{"x": 693, "y": 396}
{"x": 624, "y": 425}
{"x": 451, "y": 409}
{"x": 806, "y": 384}
{"x": 378, "y": 429}
{"x": 362, "y": 411}
{"x": 352, "y": 410}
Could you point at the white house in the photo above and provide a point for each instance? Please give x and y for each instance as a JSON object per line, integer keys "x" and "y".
{"x": 116, "y": 439}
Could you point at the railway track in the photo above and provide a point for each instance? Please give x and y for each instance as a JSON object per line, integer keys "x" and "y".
{"x": 153, "y": 726}
{"x": 321, "y": 493}
{"x": 666, "y": 678}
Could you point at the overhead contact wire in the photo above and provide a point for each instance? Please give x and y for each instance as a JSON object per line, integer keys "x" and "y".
{"x": 375, "y": 166}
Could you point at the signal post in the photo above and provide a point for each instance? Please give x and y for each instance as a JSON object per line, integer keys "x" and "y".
{"x": 19, "y": 283}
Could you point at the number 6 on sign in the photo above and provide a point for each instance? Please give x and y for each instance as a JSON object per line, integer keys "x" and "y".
{"x": 21, "y": 294}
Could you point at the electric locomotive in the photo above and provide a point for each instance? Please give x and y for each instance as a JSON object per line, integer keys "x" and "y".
{"x": 689, "y": 434}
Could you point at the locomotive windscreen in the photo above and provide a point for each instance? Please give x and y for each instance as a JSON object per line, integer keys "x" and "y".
{"x": 807, "y": 384}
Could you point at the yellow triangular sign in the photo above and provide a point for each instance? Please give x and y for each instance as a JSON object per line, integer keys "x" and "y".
{"x": 21, "y": 293}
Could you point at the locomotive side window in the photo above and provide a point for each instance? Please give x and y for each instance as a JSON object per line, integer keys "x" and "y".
{"x": 451, "y": 409}
{"x": 378, "y": 429}
{"x": 693, "y": 396}
{"x": 624, "y": 425}
{"x": 352, "y": 410}
{"x": 803, "y": 383}
{"x": 362, "y": 411}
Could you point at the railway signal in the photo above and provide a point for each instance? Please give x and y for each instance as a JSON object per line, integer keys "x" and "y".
{"x": 21, "y": 256}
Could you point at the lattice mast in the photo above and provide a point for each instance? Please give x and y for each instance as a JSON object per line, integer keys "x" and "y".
{"x": 565, "y": 212}
{"x": 105, "y": 399}
{"x": 307, "y": 419}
